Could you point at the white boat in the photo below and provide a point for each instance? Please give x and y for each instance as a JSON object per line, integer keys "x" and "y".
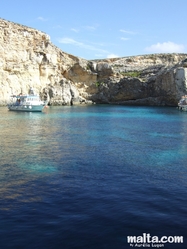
{"x": 26, "y": 103}
{"x": 182, "y": 105}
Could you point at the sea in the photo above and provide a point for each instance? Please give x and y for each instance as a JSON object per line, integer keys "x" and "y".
{"x": 93, "y": 177}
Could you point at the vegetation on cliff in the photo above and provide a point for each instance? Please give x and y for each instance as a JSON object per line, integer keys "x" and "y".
{"x": 28, "y": 58}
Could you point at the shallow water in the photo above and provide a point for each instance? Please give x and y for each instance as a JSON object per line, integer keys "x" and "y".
{"x": 89, "y": 176}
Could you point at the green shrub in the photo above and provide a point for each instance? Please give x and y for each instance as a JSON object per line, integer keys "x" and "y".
{"x": 131, "y": 74}
{"x": 88, "y": 67}
{"x": 99, "y": 83}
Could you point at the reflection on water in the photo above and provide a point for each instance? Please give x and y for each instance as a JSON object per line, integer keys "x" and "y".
{"x": 87, "y": 177}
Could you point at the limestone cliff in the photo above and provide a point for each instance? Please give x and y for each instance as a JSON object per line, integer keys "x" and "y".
{"x": 29, "y": 59}
{"x": 159, "y": 79}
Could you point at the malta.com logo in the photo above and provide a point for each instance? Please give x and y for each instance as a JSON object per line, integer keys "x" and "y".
{"x": 146, "y": 240}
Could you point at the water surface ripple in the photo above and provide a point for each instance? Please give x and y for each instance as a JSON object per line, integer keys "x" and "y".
{"x": 89, "y": 176}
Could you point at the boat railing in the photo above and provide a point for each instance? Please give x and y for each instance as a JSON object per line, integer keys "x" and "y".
{"x": 183, "y": 100}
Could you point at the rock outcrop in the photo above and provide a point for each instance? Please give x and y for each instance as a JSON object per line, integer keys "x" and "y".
{"x": 29, "y": 59}
{"x": 159, "y": 79}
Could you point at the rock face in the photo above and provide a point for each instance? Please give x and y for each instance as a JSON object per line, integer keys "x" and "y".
{"x": 29, "y": 59}
{"x": 146, "y": 80}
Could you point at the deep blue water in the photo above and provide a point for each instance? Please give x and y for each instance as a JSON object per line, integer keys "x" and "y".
{"x": 89, "y": 176}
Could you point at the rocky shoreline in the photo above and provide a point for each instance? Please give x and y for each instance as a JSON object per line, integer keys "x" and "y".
{"x": 29, "y": 59}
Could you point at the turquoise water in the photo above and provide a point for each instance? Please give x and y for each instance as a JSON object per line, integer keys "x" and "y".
{"x": 89, "y": 176}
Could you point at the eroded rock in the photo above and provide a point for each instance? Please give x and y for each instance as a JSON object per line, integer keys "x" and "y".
{"x": 29, "y": 59}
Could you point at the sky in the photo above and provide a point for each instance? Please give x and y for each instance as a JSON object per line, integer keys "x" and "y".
{"x": 99, "y": 29}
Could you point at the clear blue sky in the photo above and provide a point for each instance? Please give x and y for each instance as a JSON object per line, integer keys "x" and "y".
{"x": 95, "y": 29}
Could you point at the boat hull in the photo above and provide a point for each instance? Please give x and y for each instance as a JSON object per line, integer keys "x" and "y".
{"x": 183, "y": 108}
{"x": 26, "y": 108}
{"x": 182, "y": 105}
